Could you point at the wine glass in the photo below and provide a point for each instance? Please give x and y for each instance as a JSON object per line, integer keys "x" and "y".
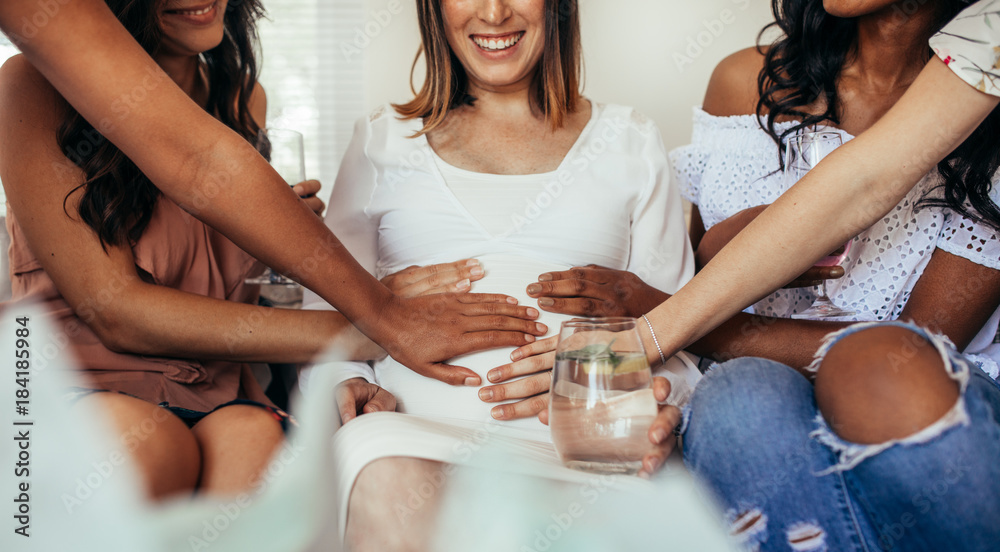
{"x": 804, "y": 151}
{"x": 602, "y": 401}
{"x": 285, "y": 151}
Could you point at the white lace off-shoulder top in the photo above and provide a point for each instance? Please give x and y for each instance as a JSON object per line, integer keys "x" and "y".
{"x": 732, "y": 165}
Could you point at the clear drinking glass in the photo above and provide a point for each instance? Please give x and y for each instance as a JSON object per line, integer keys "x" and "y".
{"x": 602, "y": 401}
{"x": 285, "y": 150}
{"x": 805, "y": 149}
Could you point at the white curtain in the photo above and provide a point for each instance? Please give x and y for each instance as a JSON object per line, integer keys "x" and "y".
{"x": 313, "y": 82}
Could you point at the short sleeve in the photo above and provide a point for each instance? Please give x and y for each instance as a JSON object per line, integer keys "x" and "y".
{"x": 347, "y": 216}
{"x": 970, "y": 46}
{"x": 688, "y": 165}
{"x": 966, "y": 238}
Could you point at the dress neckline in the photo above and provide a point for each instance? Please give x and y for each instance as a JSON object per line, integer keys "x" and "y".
{"x": 594, "y": 115}
{"x": 595, "y": 111}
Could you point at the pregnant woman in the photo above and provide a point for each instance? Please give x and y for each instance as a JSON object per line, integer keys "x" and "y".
{"x": 499, "y": 158}
{"x": 151, "y": 300}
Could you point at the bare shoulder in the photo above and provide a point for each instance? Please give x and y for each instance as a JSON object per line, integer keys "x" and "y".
{"x": 26, "y": 97}
{"x": 258, "y": 104}
{"x": 732, "y": 89}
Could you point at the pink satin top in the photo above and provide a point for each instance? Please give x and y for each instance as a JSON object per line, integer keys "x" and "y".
{"x": 177, "y": 251}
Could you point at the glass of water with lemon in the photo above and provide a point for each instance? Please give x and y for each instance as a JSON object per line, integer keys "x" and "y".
{"x": 602, "y": 402}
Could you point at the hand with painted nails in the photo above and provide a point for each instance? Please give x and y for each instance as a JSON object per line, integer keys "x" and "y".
{"x": 356, "y": 397}
{"x": 661, "y": 432}
{"x": 445, "y": 325}
{"x": 527, "y": 377}
{"x": 595, "y": 291}
{"x": 456, "y": 277}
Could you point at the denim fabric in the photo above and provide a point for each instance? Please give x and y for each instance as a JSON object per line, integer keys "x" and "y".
{"x": 752, "y": 436}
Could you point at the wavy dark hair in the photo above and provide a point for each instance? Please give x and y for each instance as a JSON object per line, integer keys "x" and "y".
{"x": 118, "y": 199}
{"x": 803, "y": 67}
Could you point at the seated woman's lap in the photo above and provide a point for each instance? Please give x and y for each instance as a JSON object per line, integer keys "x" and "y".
{"x": 747, "y": 438}
{"x": 221, "y": 453}
{"x": 164, "y": 449}
{"x": 751, "y": 437}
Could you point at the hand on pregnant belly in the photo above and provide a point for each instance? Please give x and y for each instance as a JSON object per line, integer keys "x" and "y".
{"x": 527, "y": 378}
{"x": 426, "y": 331}
{"x": 489, "y": 320}
{"x": 595, "y": 291}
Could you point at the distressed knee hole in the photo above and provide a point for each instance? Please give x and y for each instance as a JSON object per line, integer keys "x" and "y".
{"x": 748, "y": 527}
{"x": 807, "y": 537}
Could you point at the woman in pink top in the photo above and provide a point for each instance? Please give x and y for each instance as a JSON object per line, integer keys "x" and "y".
{"x": 151, "y": 299}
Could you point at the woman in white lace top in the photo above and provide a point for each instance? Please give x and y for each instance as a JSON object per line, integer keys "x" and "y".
{"x": 895, "y": 445}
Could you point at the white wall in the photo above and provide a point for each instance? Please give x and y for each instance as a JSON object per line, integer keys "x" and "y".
{"x": 656, "y": 55}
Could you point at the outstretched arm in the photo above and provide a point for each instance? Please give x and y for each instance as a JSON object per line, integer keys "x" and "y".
{"x": 843, "y": 195}
{"x": 86, "y": 54}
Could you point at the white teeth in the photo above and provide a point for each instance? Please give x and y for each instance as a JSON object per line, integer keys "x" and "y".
{"x": 494, "y": 44}
{"x": 197, "y": 12}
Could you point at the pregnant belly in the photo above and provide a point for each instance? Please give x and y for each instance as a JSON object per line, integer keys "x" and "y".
{"x": 422, "y": 396}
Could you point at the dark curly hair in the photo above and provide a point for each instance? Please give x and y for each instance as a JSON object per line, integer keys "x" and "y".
{"x": 118, "y": 199}
{"x": 803, "y": 67}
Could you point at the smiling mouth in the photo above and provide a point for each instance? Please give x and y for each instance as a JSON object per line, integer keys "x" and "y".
{"x": 199, "y": 11}
{"x": 497, "y": 43}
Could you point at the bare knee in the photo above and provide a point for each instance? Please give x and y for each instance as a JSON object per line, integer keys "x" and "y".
{"x": 883, "y": 383}
{"x": 237, "y": 443}
{"x": 164, "y": 450}
{"x": 394, "y": 504}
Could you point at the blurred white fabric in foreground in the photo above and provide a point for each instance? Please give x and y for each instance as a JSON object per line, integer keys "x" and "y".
{"x": 84, "y": 497}
{"x": 490, "y": 509}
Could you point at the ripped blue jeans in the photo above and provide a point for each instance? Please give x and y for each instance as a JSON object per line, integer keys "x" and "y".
{"x": 754, "y": 435}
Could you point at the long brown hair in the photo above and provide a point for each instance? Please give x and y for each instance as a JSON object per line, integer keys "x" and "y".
{"x": 555, "y": 84}
{"x": 118, "y": 199}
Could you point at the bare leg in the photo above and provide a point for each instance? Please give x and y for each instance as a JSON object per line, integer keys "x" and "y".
{"x": 883, "y": 383}
{"x": 161, "y": 445}
{"x": 394, "y": 505}
{"x": 236, "y": 444}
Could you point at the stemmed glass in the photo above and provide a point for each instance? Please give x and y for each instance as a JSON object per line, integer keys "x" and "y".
{"x": 602, "y": 401}
{"x": 805, "y": 149}
{"x": 286, "y": 152}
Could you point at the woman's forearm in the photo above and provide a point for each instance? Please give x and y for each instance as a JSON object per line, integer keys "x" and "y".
{"x": 716, "y": 238}
{"x": 847, "y": 192}
{"x": 157, "y": 321}
{"x": 191, "y": 157}
{"x": 790, "y": 342}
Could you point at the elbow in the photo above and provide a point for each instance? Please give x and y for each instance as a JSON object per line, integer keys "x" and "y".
{"x": 115, "y": 333}
{"x": 115, "y": 327}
